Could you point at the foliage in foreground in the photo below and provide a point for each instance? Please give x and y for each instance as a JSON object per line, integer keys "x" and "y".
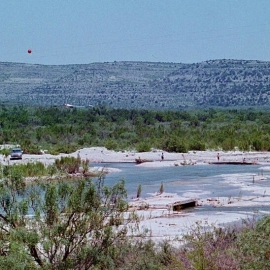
{"x": 254, "y": 246}
{"x": 71, "y": 225}
{"x": 81, "y": 225}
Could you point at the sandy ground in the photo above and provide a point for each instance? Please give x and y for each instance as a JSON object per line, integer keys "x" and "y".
{"x": 101, "y": 154}
{"x": 158, "y": 218}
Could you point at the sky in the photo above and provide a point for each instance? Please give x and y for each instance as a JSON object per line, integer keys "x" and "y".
{"x": 180, "y": 31}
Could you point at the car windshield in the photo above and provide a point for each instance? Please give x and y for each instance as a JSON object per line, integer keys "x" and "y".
{"x": 16, "y": 150}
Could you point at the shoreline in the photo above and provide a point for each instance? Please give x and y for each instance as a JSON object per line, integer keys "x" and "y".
{"x": 154, "y": 158}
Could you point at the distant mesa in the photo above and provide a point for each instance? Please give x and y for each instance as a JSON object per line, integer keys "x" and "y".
{"x": 217, "y": 83}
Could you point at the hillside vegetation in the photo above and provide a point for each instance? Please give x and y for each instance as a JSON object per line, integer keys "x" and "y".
{"x": 139, "y": 85}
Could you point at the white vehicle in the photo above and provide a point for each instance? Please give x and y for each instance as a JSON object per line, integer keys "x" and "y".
{"x": 16, "y": 153}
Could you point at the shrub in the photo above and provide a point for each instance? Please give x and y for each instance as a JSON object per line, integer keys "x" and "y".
{"x": 254, "y": 246}
{"x": 26, "y": 170}
{"x": 209, "y": 247}
{"x": 257, "y": 145}
{"x": 68, "y": 164}
{"x": 197, "y": 145}
{"x": 5, "y": 152}
{"x": 111, "y": 145}
{"x": 69, "y": 228}
{"x": 62, "y": 148}
{"x": 174, "y": 144}
{"x": 31, "y": 149}
{"x": 143, "y": 146}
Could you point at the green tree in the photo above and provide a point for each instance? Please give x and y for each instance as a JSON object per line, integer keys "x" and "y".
{"x": 71, "y": 225}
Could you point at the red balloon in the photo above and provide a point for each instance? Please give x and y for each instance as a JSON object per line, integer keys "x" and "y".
{"x": 29, "y": 51}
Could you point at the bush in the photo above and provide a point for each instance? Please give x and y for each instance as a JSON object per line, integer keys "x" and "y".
{"x": 65, "y": 149}
{"x": 68, "y": 164}
{"x": 257, "y": 145}
{"x": 31, "y": 149}
{"x": 143, "y": 146}
{"x": 26, "y": 170}
{"x": 197, "y": 146}
{"x": 111, "y": 145}
{"x": 209, "y": 247}
{"x": 254, "y": 246}
{"x": 5, "y": 152}
{"x": 174, "y": 144}
{"x": 69, "y": 227}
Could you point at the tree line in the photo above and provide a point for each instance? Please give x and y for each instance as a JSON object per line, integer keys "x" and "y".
{"x": 58, "y": 129}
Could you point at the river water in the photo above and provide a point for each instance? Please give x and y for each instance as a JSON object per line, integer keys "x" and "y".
{"x": 199, "y": 182}
{"x": 201, "y": 179}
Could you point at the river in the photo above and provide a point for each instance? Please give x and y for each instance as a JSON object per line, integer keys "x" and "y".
{"x": 202, "y": 179}
{"x": 201, "y": 182}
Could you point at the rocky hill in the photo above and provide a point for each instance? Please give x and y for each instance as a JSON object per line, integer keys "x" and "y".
{"x": 222, "y": 83}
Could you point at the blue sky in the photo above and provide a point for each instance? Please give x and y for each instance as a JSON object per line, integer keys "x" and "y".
{"x": 87, "y": 31}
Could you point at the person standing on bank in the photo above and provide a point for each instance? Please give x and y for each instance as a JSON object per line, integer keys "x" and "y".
{"x": 218, "y": 156}
{"x": 162, "y": 156}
